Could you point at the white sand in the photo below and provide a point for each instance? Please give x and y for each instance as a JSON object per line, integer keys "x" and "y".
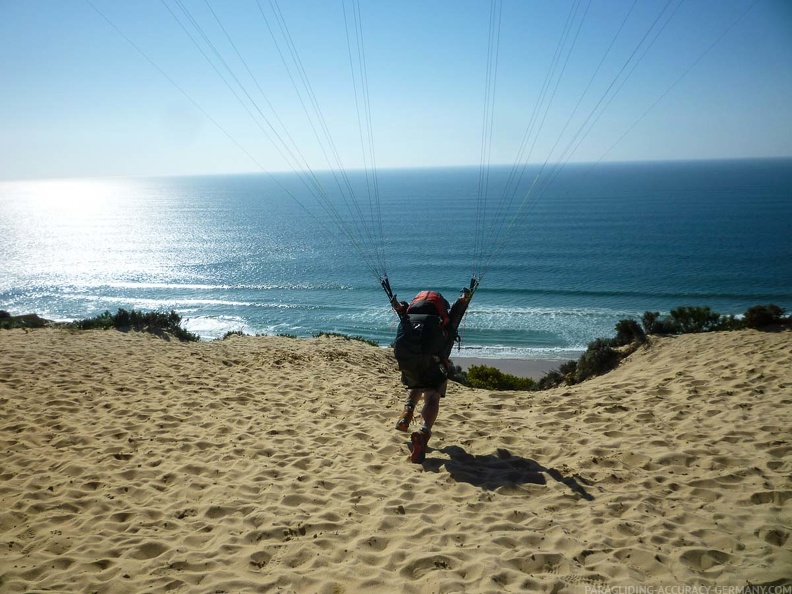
{"x": 132, "y": 464}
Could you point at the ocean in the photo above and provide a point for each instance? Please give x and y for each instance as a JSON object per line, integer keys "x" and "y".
{"x": 259, "y": 254}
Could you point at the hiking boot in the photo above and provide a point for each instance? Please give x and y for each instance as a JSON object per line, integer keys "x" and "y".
{"x": 403, "y": 424}
{"x": 419, "y": 439}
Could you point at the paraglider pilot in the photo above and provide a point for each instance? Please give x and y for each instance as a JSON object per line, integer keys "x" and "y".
{"x": 424, "y": 340}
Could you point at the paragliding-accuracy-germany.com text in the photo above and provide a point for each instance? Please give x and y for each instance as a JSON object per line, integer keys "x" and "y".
{"x": 688, "y": 589}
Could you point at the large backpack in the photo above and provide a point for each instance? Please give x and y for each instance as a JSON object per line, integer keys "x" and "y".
{"x": 421, "y": 341}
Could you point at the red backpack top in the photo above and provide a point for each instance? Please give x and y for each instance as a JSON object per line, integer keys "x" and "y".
{"x": 430, "y": 302}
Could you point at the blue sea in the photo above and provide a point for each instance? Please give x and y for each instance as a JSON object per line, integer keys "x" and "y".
{"x": 560, "y": 262}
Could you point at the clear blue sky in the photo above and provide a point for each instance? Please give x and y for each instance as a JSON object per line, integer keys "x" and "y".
{"x": 77, "y": 99}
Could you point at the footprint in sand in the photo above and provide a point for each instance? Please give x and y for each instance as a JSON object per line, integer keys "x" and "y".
{"x": 704, "y": 559}
{"x": 260, "y": 559}
{"x": 149, "y": 550}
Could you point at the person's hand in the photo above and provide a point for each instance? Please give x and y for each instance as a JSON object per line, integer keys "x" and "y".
{"x": 399, "y": 306}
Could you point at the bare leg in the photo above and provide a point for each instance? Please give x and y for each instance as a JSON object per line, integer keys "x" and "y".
{"x": 430, "y": 408}
{"x": 413, "y": 396}
{"x": 419, "y": 439}
{"x": 432, "y": 405}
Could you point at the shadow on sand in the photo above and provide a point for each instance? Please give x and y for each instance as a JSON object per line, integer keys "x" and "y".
{"x": 500, "y": 470}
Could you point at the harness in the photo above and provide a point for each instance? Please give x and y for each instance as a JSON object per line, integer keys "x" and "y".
{"x": 430, "y": 302}
{"x": 424, "y": 336}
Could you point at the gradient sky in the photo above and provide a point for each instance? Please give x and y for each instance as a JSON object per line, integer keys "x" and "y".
{"x": 76, "y": 99}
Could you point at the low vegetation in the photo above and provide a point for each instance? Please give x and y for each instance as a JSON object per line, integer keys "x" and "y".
{"x": 490, "y": 378}
{"x": 231, "y": 333}
{"x": 9, "y": 322}
{"x": 154, "y": 322}
{"x": 316, "y": 335}
{"x": 604, "y": 354}
{"x": 347, "y": 337}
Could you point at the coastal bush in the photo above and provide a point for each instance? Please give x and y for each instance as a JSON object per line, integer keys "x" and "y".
{"x": 654, "y": 324}
{"x": 649, "y": 321}
{"x": 556, "y": 377}
{"x": 691, "y": 320}
{"x": 599, "y": 358}
{"x": 490, "y": 378}
{"x": 627, "y": 332}
{"x": 153, "y": 322}
{"x": 728, "y": 323}
{"x": 103, "y": 321}
{"x": 760, "y": 316}
{"x": 551, "y": 379}
{"x": 9, "y": 322}
{"x": 347, "y": 337}
{"x": 567, "y": 368}
{"x": 231, "y": 333}
{"x": 685, "y": 320}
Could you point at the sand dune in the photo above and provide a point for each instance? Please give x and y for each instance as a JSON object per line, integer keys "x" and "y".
{"x": 133, "y": 464}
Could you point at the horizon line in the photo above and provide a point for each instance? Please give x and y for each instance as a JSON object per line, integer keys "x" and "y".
{"x": 280, "y": 172}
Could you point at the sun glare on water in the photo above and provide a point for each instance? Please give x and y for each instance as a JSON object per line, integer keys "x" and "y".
{"x": 75, "y": 231}
{"x": 72, "y": 196}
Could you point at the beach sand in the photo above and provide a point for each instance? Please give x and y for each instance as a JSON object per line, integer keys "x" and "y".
{"x": 257, "y": 464}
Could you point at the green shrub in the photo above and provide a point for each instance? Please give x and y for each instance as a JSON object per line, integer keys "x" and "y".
{"x": 654, "y": 324}
{"x": 695, "y": 319}
{"x": 760, "y": 316}
{"x": 231, "y": 333}
{"x": 122, "y": 319}
{"x": 556, "y": 377}
{"x": 551, "y": 379}
{"x": 103, "y": 321}
{"x": 649, "y": 321}
{"x": 628, "y": 332}
{"x": 490, "y": 378}
{"x": 686, "y": 320}
{"x": 567, "y": 368}
{"x": 599, "y": 358}
{"x": 154, "y": 322}
{"x": 9, "y": 322}
{"x": 728, "y": 323}
{"x": 347, "y": 337}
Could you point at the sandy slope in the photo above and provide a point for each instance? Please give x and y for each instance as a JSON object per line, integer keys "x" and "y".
{"x": 133, "y": 464}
